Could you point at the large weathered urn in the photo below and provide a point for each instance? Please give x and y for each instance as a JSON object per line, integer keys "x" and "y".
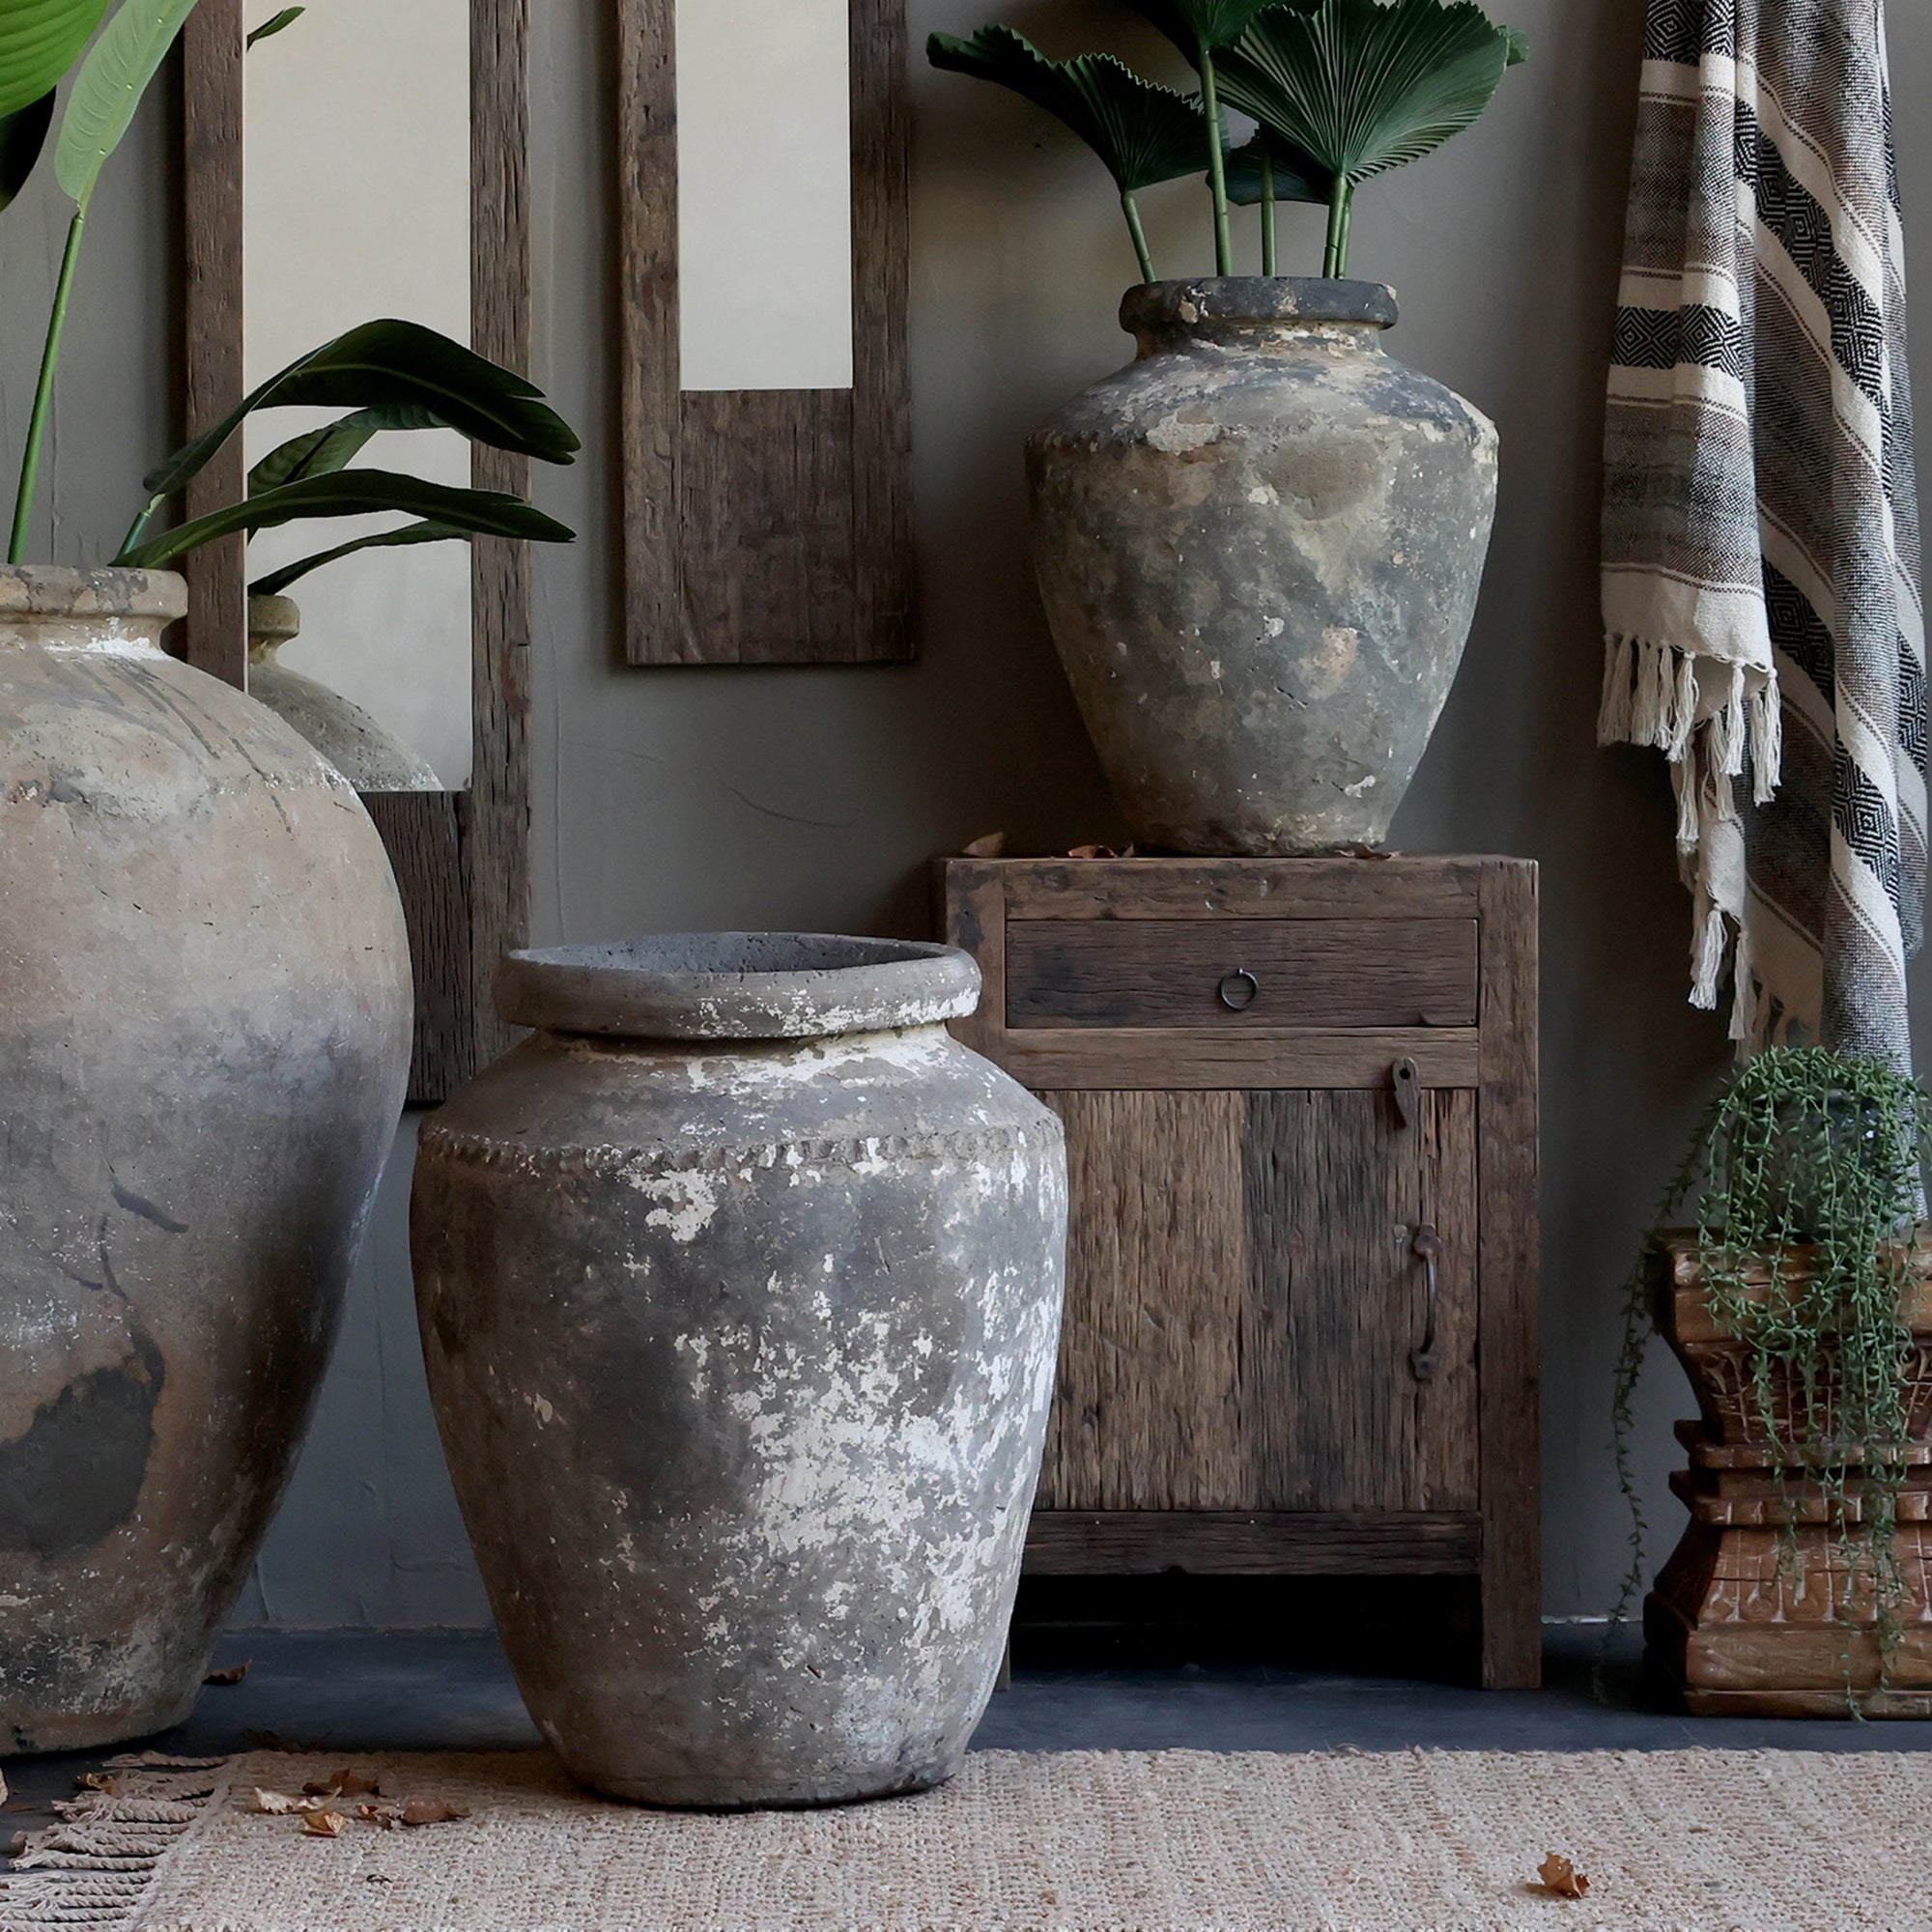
{"x": 205, "y": 1013}
{"x": 740, "y": 1285}
{"x": 1260, "y": 546}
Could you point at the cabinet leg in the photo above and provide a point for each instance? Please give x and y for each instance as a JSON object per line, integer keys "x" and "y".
{"x": 1512, "y": 1635}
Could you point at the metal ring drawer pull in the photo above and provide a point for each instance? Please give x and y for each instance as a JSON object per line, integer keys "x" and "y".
{"x": 1239, "y": 990}
{"x": 1427, "y": 1247}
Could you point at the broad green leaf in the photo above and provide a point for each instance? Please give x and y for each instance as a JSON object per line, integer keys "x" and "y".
{"x": 39, "y": 40}
{"x": 1143, "y": 133}
{"x": 22, "y": 136}
{"x": 109, "y": 86}
{"x": 390, "y": 364}
{"x": 353, "y": 493}
{"x": 320, "y": 452}
{"x": 1296, "y": 177}
{"x": 1194, "y": 24}
{"x": 278, "y": 581}
{"x": 1360, "y": 86}
{"x": 267, "y": 30}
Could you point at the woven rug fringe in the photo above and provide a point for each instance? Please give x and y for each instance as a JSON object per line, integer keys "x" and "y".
{"x": 99, "y": 1864}
{"x": 1650, "y": 697}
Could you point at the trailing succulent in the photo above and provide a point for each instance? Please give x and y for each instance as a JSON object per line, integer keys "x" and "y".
{"x": 389, "y": 375}
{"x": 1339, "y": 90}
{"x": 1808, "y": 1168}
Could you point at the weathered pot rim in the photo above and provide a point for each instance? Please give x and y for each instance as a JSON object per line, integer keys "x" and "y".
{"x": 57, "y": 590}
{"x": 1257, "y": 299}
{"x": 272, "y": 621}
{"x": 737, "y": 985}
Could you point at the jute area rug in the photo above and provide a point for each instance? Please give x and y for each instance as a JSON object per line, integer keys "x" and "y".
{"x": 1172, "y": 1842}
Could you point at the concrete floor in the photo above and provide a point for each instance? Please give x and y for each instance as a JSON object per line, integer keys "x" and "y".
{"x": 451, "y": 1689}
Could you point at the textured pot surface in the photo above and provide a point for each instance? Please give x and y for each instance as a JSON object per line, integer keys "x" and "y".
{"x": 742, "y": 1348}
{"x": 205, "y": 1013}
{"x": 363, "y": 750}
{"x": 1260, "y": 546}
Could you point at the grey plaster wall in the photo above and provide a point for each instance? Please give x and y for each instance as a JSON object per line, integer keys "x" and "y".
{"x": 764, "y": 798}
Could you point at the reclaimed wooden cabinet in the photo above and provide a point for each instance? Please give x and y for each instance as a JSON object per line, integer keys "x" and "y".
{"x": 1302, "y": 1332}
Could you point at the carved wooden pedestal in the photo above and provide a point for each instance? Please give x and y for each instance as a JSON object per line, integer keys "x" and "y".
{"x": 1762, "y": 1610}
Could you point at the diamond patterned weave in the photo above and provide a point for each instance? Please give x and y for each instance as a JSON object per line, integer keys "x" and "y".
{"x": 1761, "y": 544}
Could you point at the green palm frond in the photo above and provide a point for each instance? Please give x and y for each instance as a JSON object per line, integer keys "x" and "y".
{"x": 1362, "y": 86}
{"x": 1144, "y": 133}
{"x": 1194, "y": 24}
{"x": 1296, "y": 177}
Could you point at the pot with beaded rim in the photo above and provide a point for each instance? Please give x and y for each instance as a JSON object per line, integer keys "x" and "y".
{"x": 740, "y": 1285}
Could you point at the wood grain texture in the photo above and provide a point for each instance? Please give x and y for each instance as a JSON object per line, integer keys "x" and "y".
{"x": 1396, "y": 887}
{"x": 764, "y": 526}
{"x": 1511, "y": 1244}
{"x": 1314, "y": 973}
{"x": 1147, "y": 1408}
{"x": 1211, "y": 1543}
{"x": 494, "y": 812}
{"x": 423, "y": 835}
{"x": 1336, "y": 1189}
{"x": 1154, "y": 1057}
{"x": 972, "y": 907}
{"x": 215, "y": 635}
{"x": 647, "y": 324}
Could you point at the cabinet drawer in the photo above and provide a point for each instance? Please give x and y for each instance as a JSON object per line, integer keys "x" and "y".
{"x": 1269, "y": 974}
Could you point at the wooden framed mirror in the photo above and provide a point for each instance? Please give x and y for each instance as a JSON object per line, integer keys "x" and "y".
{"x": 767, "y": 439}
{"x": 280, "y": 254}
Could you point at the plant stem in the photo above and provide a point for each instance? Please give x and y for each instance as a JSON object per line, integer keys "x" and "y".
{"x": 1341, "y": 207}
{"x": 1217, "y": 163}
{"x": 43, "y": 393}
{"x": 1268, "y": 211}
{"x": 1132, "y": 208}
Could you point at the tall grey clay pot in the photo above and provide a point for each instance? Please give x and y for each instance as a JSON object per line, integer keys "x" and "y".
{"x": 740, "y": 1285}
{"x": 1260, "y": 546}
{"x": 205, "y": 1013}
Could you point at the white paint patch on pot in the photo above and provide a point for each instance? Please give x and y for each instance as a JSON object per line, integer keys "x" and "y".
{"x": 690, "y": 1201}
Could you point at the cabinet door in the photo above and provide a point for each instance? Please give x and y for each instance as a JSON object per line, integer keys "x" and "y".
{"x": 1246, "y": 1294}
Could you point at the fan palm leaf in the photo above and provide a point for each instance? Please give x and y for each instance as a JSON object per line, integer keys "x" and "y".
{"x": 1144, "y": 133}
{"x": 1362, "y": 86}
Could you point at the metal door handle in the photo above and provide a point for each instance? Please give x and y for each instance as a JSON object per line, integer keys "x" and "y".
{"x": 1239, "y": 990}
{"x": 1427, "y": 1247}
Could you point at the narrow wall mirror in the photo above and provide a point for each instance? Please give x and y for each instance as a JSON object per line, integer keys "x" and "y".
{"x": 370, "y": 161}
{"x": 767, "y": 447}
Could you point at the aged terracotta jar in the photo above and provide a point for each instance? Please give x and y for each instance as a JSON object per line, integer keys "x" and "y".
{"x": 205, "y": 1013}
{"x": 740, "y": 1285}
{"x": 1260, "y": 546}
{"x": 362, "y": 749}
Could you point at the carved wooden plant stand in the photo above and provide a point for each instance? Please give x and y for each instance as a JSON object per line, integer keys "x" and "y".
{"x": 1762, "y": 1610}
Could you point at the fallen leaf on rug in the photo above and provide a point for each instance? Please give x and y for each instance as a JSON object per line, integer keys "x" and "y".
{"x": 345, "y": 1783}
{"x": 101, "y": 1781}
{"x": 234, "y": 1674}
{"x": 324, "y": 1825}
{"x": 431, "y": 1812}
{"x": 1561, "y": 1878}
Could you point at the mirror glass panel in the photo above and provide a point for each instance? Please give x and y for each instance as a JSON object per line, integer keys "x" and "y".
{"x": 357, "y": 161}
{"x": 765, "y": 171}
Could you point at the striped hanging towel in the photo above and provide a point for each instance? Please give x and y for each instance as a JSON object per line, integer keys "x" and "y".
{"x": 1761, "y": 563}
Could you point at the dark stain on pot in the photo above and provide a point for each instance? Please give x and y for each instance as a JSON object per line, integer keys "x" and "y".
{"x": 75, "y": 1475}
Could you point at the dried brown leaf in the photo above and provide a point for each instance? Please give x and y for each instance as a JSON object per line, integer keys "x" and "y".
{"x": 390, "y": 1817}
{"x": 273, "y": 1805}
{"x": 992, "y": 846}
{"x": 324, "y": 1825}
{"x": 103, "y": 1781}
{"x": 1561, "y": 1878}
{"x": 431, "y": 1812}
{"x": 344, "y": 1784}
{"x": 233, "y": 1674}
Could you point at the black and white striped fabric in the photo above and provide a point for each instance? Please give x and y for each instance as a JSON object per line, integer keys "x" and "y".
{"x": 1761, "y": 561}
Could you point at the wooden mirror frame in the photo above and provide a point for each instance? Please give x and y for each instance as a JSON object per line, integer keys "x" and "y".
{"x": 462, "y": 859}
{"x": 765, "y": 527}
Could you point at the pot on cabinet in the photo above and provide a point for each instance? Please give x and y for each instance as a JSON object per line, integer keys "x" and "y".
{"x": 1260, "y": 546}
{"x": 205, "y": 1017}
{"x": 740, "y": 1285}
